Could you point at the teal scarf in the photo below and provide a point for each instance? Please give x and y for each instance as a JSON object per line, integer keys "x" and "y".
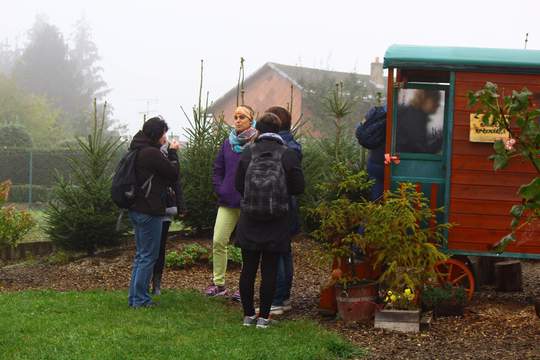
{"x": 239, "y": 141}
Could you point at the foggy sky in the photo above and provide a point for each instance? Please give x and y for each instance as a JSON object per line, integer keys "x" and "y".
{"x": 152, "y": 49}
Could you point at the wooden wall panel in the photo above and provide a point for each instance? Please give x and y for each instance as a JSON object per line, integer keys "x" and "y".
{"x": 481, "y": 198}
{"x": 474, "y": 239}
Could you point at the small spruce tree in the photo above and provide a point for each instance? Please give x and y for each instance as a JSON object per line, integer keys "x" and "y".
{"x": 82, "y": 216}
{"x": 205, "y": 134}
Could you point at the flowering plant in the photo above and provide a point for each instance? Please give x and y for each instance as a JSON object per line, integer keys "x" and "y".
{"x": 405, "y": 300}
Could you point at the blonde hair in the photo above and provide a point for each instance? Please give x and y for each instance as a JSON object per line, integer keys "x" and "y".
{"x": 245, "y": 110}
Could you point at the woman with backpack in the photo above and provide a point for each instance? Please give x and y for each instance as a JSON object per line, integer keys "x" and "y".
{"x": 268, "y": 174}
{"x": 154, "y": 173}
{"x": 225, "y": 167}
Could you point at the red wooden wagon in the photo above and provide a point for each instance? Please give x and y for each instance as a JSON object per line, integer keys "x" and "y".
{"x": 445, "y": 152}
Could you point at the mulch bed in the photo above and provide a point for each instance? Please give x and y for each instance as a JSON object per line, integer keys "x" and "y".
{"x": 495, "y": 325}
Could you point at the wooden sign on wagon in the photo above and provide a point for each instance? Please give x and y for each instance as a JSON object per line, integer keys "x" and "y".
{"x": 480, "y": 132}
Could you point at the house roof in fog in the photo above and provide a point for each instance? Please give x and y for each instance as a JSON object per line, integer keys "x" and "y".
{"x": 303, "y": 76}
{"x": 299, "y": 76}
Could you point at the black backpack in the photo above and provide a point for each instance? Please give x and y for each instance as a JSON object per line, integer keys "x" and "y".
{"x": 265, "y": 191}
{"x": 124, "y": 183}
{"x": 372, "y": 133}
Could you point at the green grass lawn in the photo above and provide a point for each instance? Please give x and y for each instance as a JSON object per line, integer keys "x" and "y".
{"x": 186, "y": 325}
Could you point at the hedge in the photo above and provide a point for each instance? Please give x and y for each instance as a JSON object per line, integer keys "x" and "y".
{"x": 40, "y": 193}
{"x": 15, "y": 162}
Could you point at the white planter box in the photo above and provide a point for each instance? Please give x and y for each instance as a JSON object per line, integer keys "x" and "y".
{"x": 398, "y": 320}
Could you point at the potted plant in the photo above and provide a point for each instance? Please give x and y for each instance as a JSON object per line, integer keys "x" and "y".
{"x": 400, "y": 311}
{"x": 351, "y": 290}
{"x": 402, "y": 233}
{"x": 444, "y": 300}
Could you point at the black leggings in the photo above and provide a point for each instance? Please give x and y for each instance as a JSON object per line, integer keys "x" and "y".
{"x": 160, "y": 262}
{"x": 250, "y": 265}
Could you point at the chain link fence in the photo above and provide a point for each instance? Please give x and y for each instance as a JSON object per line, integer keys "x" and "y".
{"x": 33, "y": 172}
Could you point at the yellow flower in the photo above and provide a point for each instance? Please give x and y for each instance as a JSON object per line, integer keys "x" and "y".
{"x": 410, "y": 297}
{"x": 393, "y": 298}
{"x": 407, "y": 291}
{"x": 389, "y": 292}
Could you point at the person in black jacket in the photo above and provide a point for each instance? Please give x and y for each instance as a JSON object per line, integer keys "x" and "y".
{"x": 154, "y": 173}
{"x": 264, "y": 240}
{"x": 175, "y": 207}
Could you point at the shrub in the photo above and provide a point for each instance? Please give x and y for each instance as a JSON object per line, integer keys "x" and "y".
{"x": 402, "y": 233}
{"x": 13, "y": 135}
{"x": 82, "y": 216}
{"x": 433, "y": 296}
{"x": 14, "y": 224}
{"x": 19, "y": 193}
{"x": 45, "y": 164}
{"x": 189, "y": 255}
{"x": 205, "y": 135}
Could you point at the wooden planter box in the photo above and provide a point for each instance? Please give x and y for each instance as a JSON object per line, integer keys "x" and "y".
{"x": 398, "y": 320}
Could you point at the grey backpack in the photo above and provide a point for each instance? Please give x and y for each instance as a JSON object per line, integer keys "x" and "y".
{"x": 265, "y": 191}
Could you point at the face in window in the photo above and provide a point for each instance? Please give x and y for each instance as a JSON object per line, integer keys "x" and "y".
{"x": 430, "y": 105}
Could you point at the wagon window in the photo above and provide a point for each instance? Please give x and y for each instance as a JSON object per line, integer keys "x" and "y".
{"x": 420, "y": 121}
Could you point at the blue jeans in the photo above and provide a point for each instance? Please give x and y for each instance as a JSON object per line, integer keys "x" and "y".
{"x": 147, "y": 240}
{"x": 376, "y": 172}
{"x": 284, "y": 279}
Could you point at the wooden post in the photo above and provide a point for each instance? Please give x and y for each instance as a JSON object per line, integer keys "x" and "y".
{"x": 389, "y": 110}
{"x": 508, "y": 276}
{"x": 486, "y": 270}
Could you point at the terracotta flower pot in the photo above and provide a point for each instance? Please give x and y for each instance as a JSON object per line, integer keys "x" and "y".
{"x": 356, "y": 302}
{"x": 327, "y": 299}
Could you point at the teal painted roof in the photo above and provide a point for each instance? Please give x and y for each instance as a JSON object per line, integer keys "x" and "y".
{"x": 462, "y": 58}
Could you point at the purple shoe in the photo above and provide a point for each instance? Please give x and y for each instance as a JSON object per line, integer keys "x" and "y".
{"x": 236, "y": 296}
{"x": 215, "y": 290}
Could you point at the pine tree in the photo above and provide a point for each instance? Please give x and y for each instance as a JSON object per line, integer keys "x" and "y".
{"x": 205, "y": 135}
{"x": 83, "y": 216}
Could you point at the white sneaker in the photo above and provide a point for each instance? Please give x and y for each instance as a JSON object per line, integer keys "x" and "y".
{"x": 287, "y": 305}
{"x": 276, "y": 310}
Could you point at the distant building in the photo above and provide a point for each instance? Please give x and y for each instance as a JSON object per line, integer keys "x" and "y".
{"x": 273, "y": 84}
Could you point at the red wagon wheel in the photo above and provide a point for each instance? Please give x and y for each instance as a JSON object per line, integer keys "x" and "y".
{"x": 455, "y": 273}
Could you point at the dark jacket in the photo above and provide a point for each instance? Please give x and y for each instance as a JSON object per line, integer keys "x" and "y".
{"x": 294, "y": 217}
{"x": 225, "y": 167}
{"x": 272, "y": 235}
{"x": 412, "y": 132}
{"x": 150, "y": 161}
{"x": 291, "y": 143}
